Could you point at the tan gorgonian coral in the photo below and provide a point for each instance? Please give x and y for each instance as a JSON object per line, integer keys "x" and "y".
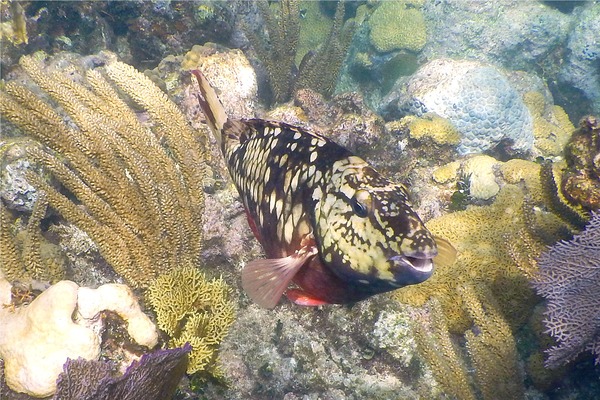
{"x": 134, "y": 177}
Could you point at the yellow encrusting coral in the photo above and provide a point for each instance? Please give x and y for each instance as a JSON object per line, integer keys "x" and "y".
{"x": 552, "y": 128}
{"x": 191, "y": 308}
{"x": 140, "y": 182}
{"x": 433, "y": 127}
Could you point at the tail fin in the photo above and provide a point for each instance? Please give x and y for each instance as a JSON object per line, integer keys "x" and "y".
{"x": 211, "y": 106}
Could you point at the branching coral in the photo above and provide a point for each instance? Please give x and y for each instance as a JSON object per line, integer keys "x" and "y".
{"x": 492, "y": 348}
{"x": 192, "y": 309}
{"x": 140, "y": 183}
{"x": 278, "y": 57}
{"x": 15, "y": 30}
{"x": 436, "y": 347}
{"x": 28, "y": 255}
{"x": 569, "y": 278}
{"x": 318, "y": 69}
{"x": 483, "y": 260}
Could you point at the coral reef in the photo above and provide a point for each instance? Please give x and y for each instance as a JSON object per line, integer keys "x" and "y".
{"x": 192, "y": 309}
{"x": 568, "y": 277}
{"x": 27, "y": 255}
{"x": 278, "y": 57}
{"x": 482, "y": 181}
{"x": 15, "y": 30}
{"x": 551, "y": 130}
{"x": 480, "y": 234}
{"x": 398, "y": 25}
{"x": 513, "y": 33}
{"x": 581, "y": 181}
{"x": 61, "y": 323}
{"x": 345, "y": 353}
{"x": 319, "y": 67}
{"x": 491, "y": 349}
{"x": 438, "y": 350}
{"x": 141, "y": 184}
{"x": 17, "y": 193}
{"x": 476, "y": 98}
{"x": 432, "y": 127}
{"x": 154, "y": 377}
{"x": 578, "y": 76}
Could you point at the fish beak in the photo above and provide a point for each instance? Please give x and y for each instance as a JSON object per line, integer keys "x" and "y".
{"x": 411, "y": 270}
{"x": 423, "y": 265}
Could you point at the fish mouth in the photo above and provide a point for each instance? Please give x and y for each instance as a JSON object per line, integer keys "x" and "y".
{"x": 417, "y": 265}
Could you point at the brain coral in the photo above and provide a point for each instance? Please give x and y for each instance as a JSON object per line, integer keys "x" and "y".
{"x": 476, "y": 97}
{"x": 397, "y": 25}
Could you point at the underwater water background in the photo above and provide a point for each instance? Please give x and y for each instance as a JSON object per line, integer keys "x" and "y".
{"x": 486, "y": 110}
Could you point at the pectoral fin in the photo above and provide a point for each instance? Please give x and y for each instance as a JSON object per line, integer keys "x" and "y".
{"x": 265, "y": 280}
{"x": 446, "y": 252}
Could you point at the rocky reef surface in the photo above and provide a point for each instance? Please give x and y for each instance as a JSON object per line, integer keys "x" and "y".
{"x": 379, "y": 348}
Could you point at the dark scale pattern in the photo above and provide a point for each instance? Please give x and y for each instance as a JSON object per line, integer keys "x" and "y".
{"x": 276, "y": 168}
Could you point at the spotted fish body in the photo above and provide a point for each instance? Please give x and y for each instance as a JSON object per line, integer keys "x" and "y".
{"x": 327, "y": 220}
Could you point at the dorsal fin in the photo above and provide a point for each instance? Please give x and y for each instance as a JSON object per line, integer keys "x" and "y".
{"x": 213, "y": 110}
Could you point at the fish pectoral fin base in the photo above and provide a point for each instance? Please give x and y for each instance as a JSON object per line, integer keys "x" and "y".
{"x": 265, "y": 280}
{"x": 446, "y": 252}
{"x": 301, "y": 298}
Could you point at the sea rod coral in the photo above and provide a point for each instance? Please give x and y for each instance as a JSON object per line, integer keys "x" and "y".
{"x": 569, "y": 279}
{"x": 137, "y": 176}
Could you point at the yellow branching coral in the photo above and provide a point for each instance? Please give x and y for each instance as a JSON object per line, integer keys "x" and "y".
{"x": 138, "y": 178}
{"x": 481, "y": 235}
{"x": 191, "y": 308}
{"x": 436, "y": 347}
{"x": 28, "y": 255}
{"x": 492, "y": 348}
{"x": 14, "y": 30}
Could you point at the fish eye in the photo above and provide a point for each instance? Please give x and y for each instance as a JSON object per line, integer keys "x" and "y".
{"x": 359, "y": 208}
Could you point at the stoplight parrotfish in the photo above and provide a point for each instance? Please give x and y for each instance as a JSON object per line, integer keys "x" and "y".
{"x": 329, "y": 223}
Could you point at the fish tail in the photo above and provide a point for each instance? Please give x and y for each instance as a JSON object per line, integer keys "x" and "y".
{"x": 213, "y": 110}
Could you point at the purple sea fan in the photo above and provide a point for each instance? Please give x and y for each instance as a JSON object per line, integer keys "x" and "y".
{"x": 569, "y": 279}
{"x": 154, "y": 377}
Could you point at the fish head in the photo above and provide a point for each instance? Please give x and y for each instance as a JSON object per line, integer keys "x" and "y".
{"x": 367, "y": 232}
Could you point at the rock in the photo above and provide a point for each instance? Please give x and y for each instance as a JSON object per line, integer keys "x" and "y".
{"x": 580, "y": 70}
{"x": 476, "y": 98}
{"x": 230, "y": 73}
{"x": 36, "y": 340}
{"x": 515, "y": 34}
